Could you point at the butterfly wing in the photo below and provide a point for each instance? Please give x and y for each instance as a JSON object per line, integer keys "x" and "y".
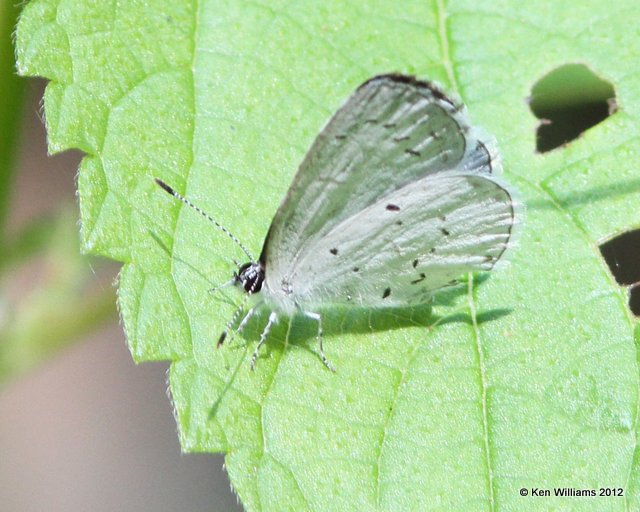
{"x": 408, "y": 244}
{"x": 392, "y": 131}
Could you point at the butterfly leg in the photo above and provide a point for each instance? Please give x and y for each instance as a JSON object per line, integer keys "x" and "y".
{"x": 233, "y": 320}
{"x": 221, "y": 286}
{"x": 246, "y": 319}
{"x": 318, "y": 318}
{"x": 243, "y": 323}
{"x": 273, "y": 318}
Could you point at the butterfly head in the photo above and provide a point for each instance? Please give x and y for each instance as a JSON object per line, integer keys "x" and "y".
{"x": 250, "y": 276}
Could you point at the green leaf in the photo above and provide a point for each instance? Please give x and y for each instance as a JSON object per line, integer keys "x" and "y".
{"x": 534, "y": 385}
{"x": 53, "y": 306}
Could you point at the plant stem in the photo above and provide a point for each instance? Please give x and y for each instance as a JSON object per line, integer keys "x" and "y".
{"x": 47, "y": 326}
{"x": 11, "y": 96}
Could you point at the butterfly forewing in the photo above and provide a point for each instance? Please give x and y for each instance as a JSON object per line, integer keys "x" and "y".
{"x": 392, "y": 131}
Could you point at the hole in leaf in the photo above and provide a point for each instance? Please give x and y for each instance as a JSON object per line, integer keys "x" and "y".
{"x": 622, "y": 255}
{"x": 568, "y": 101}
{"x": 634, "y": 300}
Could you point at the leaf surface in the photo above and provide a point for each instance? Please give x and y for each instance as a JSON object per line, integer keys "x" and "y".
{"x": 533, "y": 384}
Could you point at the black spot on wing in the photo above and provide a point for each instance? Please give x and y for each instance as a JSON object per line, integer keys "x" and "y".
{"x": 421, "y": 278}
{"x": 356, "y": 269}
{"x": 445, "y": 232}
{"x": 393, "y": 208}
{"x": 386, "y": 292}
{"x": 415, "y": 263}
{"x": 334, "y": 251}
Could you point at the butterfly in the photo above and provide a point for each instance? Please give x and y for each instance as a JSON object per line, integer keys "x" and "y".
{"x": 395, "y": 199}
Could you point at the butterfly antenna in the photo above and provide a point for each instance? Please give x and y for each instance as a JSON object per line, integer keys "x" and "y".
{"x": 183, "y": 199}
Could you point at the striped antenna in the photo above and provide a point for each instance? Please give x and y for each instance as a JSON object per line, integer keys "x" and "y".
{"x": 183, "y": 199}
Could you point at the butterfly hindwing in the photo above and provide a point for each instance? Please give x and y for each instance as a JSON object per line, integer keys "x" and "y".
{"x": 408, "y": 244}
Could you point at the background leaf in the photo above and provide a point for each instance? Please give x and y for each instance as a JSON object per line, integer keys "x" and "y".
{"x": 222, "y": 99}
